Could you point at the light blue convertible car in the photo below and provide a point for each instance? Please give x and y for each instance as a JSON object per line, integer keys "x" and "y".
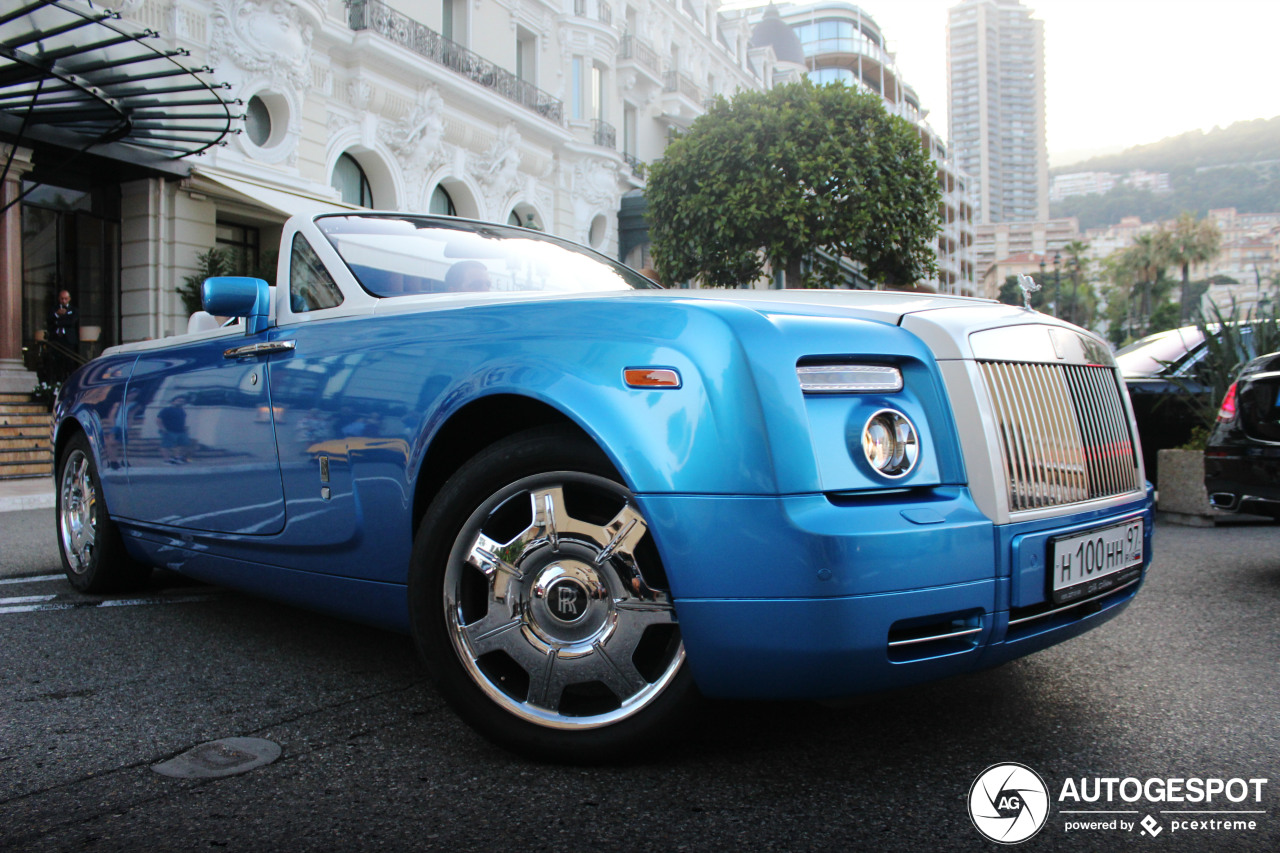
{"x": 591, "y": 500}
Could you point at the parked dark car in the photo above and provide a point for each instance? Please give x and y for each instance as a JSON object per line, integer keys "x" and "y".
{"x": 1163, "y": 408}
{"x": 1242, "y": 459}
{"x": 1170, "y": 377}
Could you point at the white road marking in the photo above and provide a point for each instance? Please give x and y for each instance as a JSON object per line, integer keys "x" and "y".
{"x": 35, "y": 579}
{"x": 36, "y": 603}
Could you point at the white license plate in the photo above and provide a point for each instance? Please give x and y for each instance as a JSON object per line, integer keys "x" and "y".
{"x": 1094, "y": 561}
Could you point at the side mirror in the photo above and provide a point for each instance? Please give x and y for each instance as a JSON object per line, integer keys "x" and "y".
{"x": 239, "y": 296}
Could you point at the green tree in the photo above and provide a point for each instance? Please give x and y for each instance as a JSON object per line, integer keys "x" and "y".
{"x": 216, "y": 262}
{"x": 1080, "y": 301}
{"x": 1143, "y": 265}
{"x": 798, "y": 172}
{"x": 1191, "y": 241}
{"x": 1118, "y": 292}
{"x": 210, "y": 264}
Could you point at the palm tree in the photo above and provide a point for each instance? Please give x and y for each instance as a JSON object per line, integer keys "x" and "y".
{"x": 1077, "y": 266}
{"x": 1146, "y": 261}
{"x": 1191, "y": 242}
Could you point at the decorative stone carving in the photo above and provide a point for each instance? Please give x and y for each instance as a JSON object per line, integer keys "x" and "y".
{"x": 418, "y": 137}
{"x": 360, "y": 94}
{"x": 597, "y": 182}
{"x": 264, "y": 37}
{"x": 498, "y": 169}
{"x": 337, "y": 123}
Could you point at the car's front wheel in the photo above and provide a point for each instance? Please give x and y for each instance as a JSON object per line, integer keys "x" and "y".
{"x": 539, "y": 603}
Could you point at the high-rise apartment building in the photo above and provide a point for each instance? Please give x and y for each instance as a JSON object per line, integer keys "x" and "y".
{"x": 995, "y": 87}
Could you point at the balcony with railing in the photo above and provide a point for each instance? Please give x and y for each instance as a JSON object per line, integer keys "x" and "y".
{"x": 604, "y": 134}
{"x": 638, "y": 52}
{"x": 410, "y": 34}
{"x": 673, "y": 82}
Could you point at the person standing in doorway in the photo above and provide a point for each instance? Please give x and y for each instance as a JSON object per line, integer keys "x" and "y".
{"x": 64, "y": 330}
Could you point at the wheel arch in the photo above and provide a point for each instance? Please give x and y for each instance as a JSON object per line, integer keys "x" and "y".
{"x": 65, "y": 431}
{"x": 472, "y": 428}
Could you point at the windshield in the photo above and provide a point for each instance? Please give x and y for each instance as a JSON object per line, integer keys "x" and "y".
{"x": 1151, "y": 355}
{"x": 407, "y": 255}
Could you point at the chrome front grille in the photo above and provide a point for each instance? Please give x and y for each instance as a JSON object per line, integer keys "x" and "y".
{"x": 1064, "y": 434}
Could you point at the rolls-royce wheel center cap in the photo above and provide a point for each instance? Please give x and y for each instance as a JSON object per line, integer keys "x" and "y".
{"x": 570, "y": 602}
{"x": 567, "y": 600}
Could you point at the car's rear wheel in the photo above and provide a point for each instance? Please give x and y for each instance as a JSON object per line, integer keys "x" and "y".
{"x": 540, "y": 605}
{"x": 93, "y": 554}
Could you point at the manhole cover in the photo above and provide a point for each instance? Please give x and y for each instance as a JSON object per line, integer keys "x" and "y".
{"x": 215, "y": 759}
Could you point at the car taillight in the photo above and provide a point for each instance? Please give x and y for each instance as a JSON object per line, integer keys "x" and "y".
{"x": 1227, "y": 412}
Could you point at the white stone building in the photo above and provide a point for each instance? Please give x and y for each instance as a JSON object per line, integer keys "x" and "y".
{"x": 526, "y": 111}
{"x": 537, "y": 112}
{"x": 541, "y": 112}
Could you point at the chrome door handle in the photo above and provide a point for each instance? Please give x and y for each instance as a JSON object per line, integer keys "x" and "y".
{"x": 259, "y": 349}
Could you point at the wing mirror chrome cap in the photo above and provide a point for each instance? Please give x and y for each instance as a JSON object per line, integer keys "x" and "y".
{"x": 238, "y": 296}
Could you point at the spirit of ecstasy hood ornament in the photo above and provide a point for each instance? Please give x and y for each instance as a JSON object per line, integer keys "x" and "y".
{"x": 1028, "y": 286}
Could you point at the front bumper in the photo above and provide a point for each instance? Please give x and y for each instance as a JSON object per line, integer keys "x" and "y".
{"x": 817, "y": 597}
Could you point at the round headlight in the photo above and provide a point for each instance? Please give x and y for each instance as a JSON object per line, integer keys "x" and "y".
{"x": 890, "y": 444}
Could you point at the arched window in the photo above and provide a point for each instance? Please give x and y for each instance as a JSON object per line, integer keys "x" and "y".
{"x": 442, "y": 202}
{"x": 351, "y": 183}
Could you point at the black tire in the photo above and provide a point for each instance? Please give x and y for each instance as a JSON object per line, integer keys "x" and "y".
{"x": 553, "y": 634}
{"x": 93, "y": 554}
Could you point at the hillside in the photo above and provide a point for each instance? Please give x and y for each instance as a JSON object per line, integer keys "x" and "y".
{"x": 1242, "y": 142}
{"x": 1238, "y": 167}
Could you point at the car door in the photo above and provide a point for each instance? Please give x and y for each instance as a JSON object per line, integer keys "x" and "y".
{"x": 200, "y": 445}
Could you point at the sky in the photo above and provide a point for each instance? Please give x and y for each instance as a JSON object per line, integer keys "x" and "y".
{"x": 1118, "y": 73}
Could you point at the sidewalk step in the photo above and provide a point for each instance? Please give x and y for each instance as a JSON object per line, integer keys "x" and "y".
{"x": 40, "y": 441}
{"x": 31, "y": 431}
{"x": 28, "y": 455}
{"x": 27, "y": 408}
{"x": 14, "y": 398}
{"x": 8, "y": 419}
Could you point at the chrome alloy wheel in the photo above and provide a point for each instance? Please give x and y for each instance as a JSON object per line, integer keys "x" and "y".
{"x": 77, "y": 512}
{"x": 547, "y": 606}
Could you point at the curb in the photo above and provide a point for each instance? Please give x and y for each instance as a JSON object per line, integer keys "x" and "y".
{"x": 26, "y": 494}
{"x": 26, "y": 502}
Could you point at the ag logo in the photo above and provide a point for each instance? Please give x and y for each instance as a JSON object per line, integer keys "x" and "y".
{"x": 1008, "y": 803}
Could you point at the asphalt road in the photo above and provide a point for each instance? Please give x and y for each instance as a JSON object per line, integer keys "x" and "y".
{"x": 1185, "y": 684}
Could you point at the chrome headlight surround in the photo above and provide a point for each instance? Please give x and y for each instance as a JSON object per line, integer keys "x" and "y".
{"x": 849, "y": 378}
{"x": 891, "y": 444}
